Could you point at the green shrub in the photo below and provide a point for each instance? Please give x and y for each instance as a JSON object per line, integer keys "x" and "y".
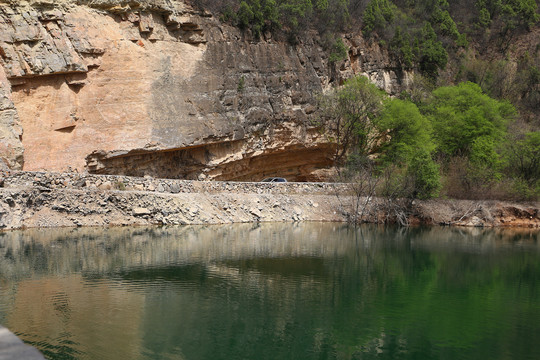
{"x": 462, "y": 41}
{"x": 258, "y": 16}
{"x": 378, "y": 14}
{"x": 339, "y": 51}
{"x": 400, "y": 46}
{"x": 431, "y": 53}
{"x": 241, "y": 83}
{"x": 229, "y": 16}
{"x": 405, "y": 130}
{"x": 463, "y": 116}
{"x": 523, "y": 190}
{"x": 523, "y": 156}
{"x": 245, "y": 15}
{"x": 484, "y": 18}
{"x": 425, "y": 174}
{"x": 445, "y": 23}
{"x": 120, "y": 185}
{"x": 519, "y": 13}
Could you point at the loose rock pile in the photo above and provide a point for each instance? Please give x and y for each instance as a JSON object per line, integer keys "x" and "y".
{"x": 39, "y": 199}
{"x": 51, "y": 180}
{"x": 32, "y": 199}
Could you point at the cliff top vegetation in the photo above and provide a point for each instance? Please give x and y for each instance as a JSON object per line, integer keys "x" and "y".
{"x": 469, "y": 124}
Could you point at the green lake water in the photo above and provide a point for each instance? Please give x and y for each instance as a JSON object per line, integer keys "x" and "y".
{"x": 273, "y": 291}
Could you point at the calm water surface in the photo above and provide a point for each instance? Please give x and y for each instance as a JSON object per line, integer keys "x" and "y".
{"x": 273, "y": 291}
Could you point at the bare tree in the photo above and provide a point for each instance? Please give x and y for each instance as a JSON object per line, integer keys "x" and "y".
{"x": 359, "y": 174}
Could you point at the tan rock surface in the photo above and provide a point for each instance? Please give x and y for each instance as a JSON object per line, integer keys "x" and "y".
{"x": 155, "y": 87}
{"x": 11, "y": 148}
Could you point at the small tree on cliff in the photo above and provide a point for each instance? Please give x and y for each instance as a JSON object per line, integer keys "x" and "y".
{"x": 374, "y": 133}
{"x": 349, "y": 112}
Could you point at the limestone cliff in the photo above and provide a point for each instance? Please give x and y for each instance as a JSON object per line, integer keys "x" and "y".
{"x": 11, "y": 149}
{"x": 156, "y": 87}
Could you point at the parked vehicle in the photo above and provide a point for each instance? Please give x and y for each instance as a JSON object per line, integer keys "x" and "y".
{"x": 275, "y": 180}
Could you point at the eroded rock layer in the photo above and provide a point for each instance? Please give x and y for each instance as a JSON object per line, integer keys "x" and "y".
{"x": 139, "y": 87}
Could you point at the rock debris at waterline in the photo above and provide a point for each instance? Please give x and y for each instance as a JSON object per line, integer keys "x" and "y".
{"x": 65, "y": 199}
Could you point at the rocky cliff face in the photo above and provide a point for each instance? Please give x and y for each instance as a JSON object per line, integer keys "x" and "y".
{"x": 11, "y": 149}
{"x": 155, "y": 87}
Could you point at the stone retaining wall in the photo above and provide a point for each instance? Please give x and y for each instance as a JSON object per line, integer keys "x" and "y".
{"x": 113, "y": 182}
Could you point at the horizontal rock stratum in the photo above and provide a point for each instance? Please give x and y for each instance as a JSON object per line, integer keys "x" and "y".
{"x": 29, "y": 199}
{"x": 159, "y": 88}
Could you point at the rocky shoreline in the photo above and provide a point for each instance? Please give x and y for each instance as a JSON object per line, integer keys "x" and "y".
{"x": 43, "y": 199}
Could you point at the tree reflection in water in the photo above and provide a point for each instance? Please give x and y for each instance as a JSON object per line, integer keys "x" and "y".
{"x": 256, "y": 291}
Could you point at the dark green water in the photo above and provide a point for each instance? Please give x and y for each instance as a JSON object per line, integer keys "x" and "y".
{"x": 273, "y": 291}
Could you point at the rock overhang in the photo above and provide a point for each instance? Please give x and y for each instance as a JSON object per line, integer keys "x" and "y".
{"x": 119, "y": 76}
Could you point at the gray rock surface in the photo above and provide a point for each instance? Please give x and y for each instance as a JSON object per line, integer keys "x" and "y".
{"x": 63, "y": 200}
{"x": 12, "y": 348}
{"x": 11, "y": 148}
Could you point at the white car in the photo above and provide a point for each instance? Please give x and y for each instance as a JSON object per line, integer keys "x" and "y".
{"x": 275, "y": 180}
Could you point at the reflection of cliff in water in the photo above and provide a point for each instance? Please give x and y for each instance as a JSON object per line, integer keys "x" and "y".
{"x": 197, "y": 291}
{"x": 97, "y": 251}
